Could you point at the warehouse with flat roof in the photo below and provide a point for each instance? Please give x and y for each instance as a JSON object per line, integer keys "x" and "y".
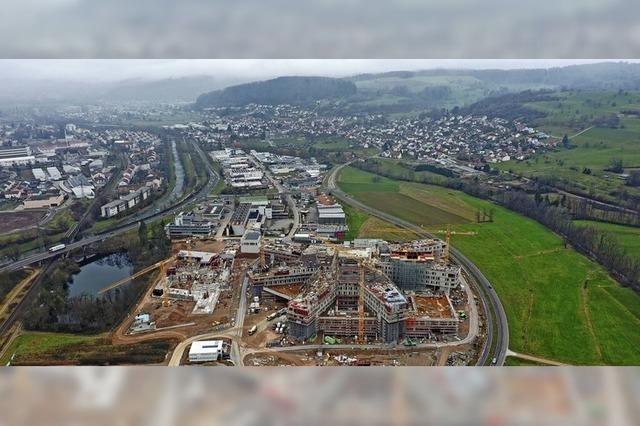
{"x": 206, "y": 350}
{"x": 331, "y": 214}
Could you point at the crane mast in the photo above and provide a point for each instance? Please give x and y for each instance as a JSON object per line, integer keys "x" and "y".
{"x": 263, "y": 262}
{"x": 361, "y": 303}
{"x": 165, "y": 285}
{"x": 447, "y": 243}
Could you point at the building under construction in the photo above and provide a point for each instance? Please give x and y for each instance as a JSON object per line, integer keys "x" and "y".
{"x": 195, "y": 276}
{"x": 285, "y": 268}
{"x": 381, "y": 293}
{"x": 329, "y": 303}
{"x": 420, "y": 265}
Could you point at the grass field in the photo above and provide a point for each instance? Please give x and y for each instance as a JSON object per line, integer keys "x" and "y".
{"x": 37, "y": 348}
{"x": 33, "y": 343}
{"x": 355, "y": 220}
{"x": 410, "y": 201}
{"x": 594, "y": 149}
{"x": 519, "y": 362}
{"x": 377, "y": 228}
{"x": 560, "y": 305}
{"x": 628, "y": 236}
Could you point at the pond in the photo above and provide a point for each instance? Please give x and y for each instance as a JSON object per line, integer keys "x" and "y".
{"x": 96, "y": 275}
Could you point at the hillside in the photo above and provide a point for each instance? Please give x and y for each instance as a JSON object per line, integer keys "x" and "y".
{"x": 165, "y": 90}
{"x": 282, "y": 90}
{"x": 406, "y": 91}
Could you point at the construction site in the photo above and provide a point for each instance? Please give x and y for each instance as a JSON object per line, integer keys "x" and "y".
{"x": 195, "y": 291}
{"x": 365, "y": 302}
{"x": 367, "y": 292}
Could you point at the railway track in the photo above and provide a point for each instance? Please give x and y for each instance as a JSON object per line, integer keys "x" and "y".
{"x": 47, "y": 259}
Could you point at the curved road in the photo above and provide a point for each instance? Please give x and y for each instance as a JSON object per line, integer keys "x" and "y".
{"x": 132, "y": 223}
{"x": 497, "y": 328}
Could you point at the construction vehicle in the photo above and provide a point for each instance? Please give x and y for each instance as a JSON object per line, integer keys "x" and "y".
{"x": 409, "y": 342}
{"x": 332, "y": 340}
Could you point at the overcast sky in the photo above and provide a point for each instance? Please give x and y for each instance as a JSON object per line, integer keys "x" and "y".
{"x": 245, "y": 69}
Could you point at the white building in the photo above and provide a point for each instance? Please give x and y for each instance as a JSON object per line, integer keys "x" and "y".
{"x": 250, "y": 242}
{"x": 205, "y": 350}
{"x": 54, "y": 173}
{"x": 39, "y": 174}
{"x": 11, "y": 156}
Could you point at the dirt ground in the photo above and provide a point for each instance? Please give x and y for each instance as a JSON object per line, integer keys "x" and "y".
{"x": 13, "y": 221}
{"x": 210, "y": 245}
{"x": 179, "y": 313}
{"x": 264, "y": 333}
{"x": 274, "y": 359}
{"x": 329, "y": 357}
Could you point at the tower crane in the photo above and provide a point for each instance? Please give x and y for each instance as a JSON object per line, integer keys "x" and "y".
{"x": 263, "y": 262}
{"x": 447, "y": 243}
{"x": 162, "y": 265}
{"x": 362, "y": 265}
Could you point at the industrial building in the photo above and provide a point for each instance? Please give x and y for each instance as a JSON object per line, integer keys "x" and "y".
{"x": 332, "y": 214}
{"x": 250, "y": 242}
{"x": 188, "y": 225}
{"x": 206, "y": 351}
{"x": 239, "y": 218}
{"x": 16, "y": 156}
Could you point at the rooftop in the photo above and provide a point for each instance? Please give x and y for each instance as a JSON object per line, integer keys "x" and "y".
{"x": 436, "y": 306}
{"x": 206, "y": 347}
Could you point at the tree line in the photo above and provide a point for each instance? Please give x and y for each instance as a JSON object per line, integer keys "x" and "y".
{"x": 589, "y": 241}
{"x": 594, "y": 243}
{"x": 54, "y": 310}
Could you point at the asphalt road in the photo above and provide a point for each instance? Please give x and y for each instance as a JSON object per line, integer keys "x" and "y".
{"x": 497, "y": 330}
{"x": 281, "y": 190}
{"x": 131, "y": 223}
{"x": 47, "y": 258}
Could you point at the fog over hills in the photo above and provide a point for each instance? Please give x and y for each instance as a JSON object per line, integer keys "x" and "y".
{"x": 86, "y": 81}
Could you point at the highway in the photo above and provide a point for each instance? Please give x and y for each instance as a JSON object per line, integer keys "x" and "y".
{"x": 131, "y": 223}
{"x": 498, "y": 328}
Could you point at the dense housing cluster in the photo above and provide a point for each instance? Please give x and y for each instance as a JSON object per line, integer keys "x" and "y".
{"x": 48, "y": 164}
{"x": 472, "y": 139}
